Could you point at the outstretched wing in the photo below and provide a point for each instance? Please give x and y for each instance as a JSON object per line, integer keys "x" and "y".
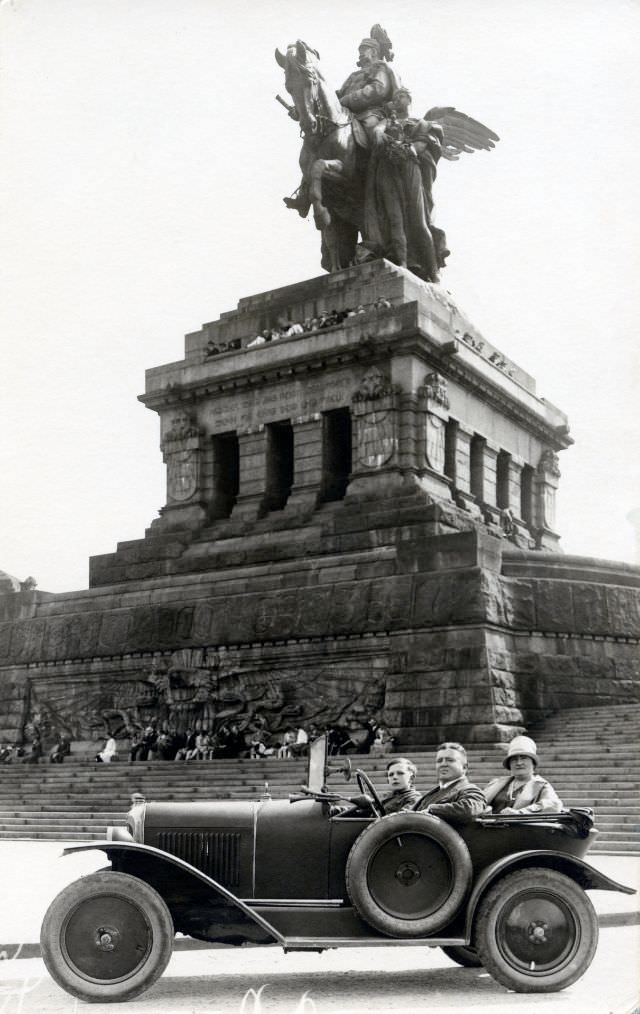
{"x": 461, "y": 132}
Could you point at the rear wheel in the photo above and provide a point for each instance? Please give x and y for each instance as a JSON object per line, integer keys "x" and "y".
{"x": 466, "y": 956}
{"x": 536, "y": 931}
{"x": 107, "y": 937}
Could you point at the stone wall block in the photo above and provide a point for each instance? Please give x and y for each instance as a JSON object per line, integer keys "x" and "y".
{"x": 519, "y": 603}
{"x": 526, "y": 662}
{"x": 423, "y": 698}
{"x": 505, "y": 697}
{"x": 554, "y": 605}
{"x": 557, "y": 666}
{"x": 313, "y": 611}
{"x": 348, "y": 607}
{"x": 448, "y": 598}
{"x": 412, "y": 682}
{"x": 590, "y": 609}
{"x": 590, "y": 669}
{"x": 623, "y": 606}
{"x": 502, "y": 679}
{"x": 508, "y": 715}
{"x": 390, "y": 603}
{"x": 26, "y": 640}
{"x": 628, "y": 669}
{"x": 14, "y": 693}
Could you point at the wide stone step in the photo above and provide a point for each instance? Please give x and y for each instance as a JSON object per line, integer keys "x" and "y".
{"x": 625, "y": 766}
{"x": 613, "y": 850}
{"x": 37, "y": 834}
{"x": 72, "y": 814}
{"x": 72, "y": 821}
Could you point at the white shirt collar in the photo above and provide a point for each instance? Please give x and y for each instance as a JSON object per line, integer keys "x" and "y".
{"x": 445, "y": 785}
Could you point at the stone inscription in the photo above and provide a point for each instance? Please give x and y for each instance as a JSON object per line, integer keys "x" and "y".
{"x": 242, "y": 412}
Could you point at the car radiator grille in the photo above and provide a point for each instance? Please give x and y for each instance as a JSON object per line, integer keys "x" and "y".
{"x": 217, "y": 855}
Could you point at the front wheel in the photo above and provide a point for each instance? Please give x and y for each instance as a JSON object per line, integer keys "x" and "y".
{"x": 107, "y": 937}
{"x": 536, "y": 931}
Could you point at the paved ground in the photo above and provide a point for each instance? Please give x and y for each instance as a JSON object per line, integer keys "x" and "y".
{"x": 32, "y": 873}
{"x": 360, "y": 981}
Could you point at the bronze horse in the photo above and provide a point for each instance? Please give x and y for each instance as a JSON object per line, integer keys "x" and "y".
{"x": 331, "y": 161}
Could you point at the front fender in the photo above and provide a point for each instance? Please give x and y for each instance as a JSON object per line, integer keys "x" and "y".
{"x": 122, "y": 847}
{"x": 585, "y": 875}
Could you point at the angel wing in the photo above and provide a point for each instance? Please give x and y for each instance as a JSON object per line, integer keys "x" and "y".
{"x": 461, "y": 132}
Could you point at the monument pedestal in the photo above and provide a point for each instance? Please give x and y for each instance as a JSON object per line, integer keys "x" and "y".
{"x": 346, "y": 511}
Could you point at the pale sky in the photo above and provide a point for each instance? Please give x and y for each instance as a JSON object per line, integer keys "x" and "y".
{"x": 144, "y": 161}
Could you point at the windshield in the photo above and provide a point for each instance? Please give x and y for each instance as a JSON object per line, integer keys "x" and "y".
{"x": 317, "y": 763}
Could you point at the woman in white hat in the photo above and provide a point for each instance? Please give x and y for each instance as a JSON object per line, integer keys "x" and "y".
{"x": 523, "y": 791}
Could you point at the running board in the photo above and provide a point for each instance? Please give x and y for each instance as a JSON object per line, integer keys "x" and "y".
{"x": 324, "y": 943}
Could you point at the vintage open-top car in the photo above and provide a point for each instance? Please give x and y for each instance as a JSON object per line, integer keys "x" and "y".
{"x": 503, "y": 892}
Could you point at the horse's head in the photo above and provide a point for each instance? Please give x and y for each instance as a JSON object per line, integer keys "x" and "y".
{"x": 301, "y": 78}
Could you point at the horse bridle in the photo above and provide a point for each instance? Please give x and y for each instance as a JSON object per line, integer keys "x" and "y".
{"x": 325, "y": 124}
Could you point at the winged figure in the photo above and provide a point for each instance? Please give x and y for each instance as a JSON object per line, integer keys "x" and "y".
{"x": 461, "y": 133}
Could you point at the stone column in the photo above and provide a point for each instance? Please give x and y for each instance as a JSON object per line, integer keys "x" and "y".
{"x": 463, "y": 495}
{"x": 253, "y": 474}
{"x": 307, "y": 465}
{"x": 546, "y": 485}
{"x": 181, "y": 448}
{"x": 515, "y": 485}
{"x": 513, "y": 524}
{"x": 490, "y": 470}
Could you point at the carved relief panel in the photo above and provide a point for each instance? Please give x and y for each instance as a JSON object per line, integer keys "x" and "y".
{"x": 434, "y": 402}
{"x": 374, "y": 414}
{"x": 181, "y": 454}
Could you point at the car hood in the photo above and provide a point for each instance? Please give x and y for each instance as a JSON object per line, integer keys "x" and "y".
{"x": 219, "y": 814}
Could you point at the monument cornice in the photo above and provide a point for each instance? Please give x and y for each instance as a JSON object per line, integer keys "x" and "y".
{"x": 304, "y": 356}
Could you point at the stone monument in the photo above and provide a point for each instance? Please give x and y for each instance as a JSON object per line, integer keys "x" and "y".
{"x": 360, "y": 509}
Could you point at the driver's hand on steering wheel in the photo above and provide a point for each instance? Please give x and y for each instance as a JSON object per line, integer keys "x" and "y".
{"x": 361, "y": 802}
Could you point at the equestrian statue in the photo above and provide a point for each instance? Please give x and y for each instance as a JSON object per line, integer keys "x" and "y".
{"x": 368, "y": 167}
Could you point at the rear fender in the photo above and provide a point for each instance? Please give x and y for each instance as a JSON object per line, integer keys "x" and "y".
{"x": 584, "y": 875}
{"x": 173, "y": 862}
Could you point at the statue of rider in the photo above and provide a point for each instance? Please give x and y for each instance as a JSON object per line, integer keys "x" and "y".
{"x": 364, "y": 93}
{"x": 367, "y": 89}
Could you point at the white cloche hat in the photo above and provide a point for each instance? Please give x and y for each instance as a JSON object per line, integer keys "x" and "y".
{"x": 521, "y": 746}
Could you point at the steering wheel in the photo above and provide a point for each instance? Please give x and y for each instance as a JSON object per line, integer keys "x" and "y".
{"x": 366, "y": 788}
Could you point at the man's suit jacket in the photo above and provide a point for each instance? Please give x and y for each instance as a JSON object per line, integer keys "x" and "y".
{"x": 458, "y": 802}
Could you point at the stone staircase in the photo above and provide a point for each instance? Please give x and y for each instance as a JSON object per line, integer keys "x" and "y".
{"x": 590, "y": 754}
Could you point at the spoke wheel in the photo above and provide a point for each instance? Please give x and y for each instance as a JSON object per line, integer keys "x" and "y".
{"x": 536, "y": 931}
{"x": 107, "y": 937}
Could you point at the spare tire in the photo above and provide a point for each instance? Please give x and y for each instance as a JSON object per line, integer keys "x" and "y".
{"x": 408, "y": 873}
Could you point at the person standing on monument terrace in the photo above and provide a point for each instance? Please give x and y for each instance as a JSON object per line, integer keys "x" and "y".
{"x": 522, "y": 791}
{"x": 455, "y": 799}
